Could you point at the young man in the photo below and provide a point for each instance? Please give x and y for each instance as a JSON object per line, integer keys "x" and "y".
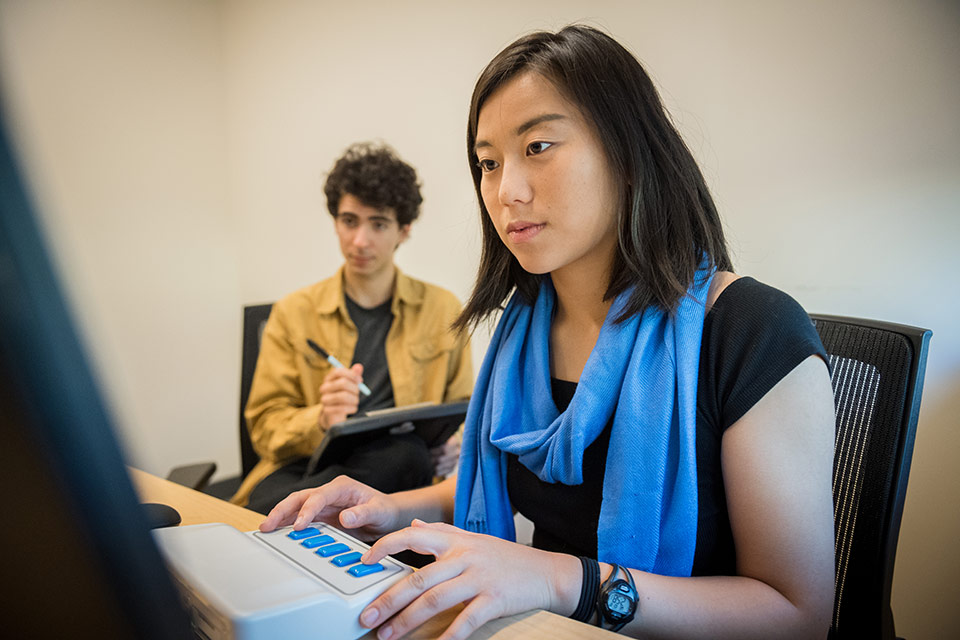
{"x": 395, "y": 329}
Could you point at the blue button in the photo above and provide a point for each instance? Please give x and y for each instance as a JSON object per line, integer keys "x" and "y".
{"x": 317, "y": 541}
{"x": 361, "y": 570}
{"x": 303, "y": 533}
{"x": 332, "y": 550}
{"x": 347, "y": 558}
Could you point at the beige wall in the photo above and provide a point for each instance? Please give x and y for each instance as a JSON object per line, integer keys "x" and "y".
{"x": 177, "y": 149}
{"x": 119, "y": 109}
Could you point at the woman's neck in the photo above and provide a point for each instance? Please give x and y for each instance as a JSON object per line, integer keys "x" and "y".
{"x": 581, "y": 307}
{"x": 579, "y": 315}
{"x": 580, "y": 288}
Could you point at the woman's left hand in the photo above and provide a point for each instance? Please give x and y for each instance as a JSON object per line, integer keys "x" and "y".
{"x": 495, "y": 578}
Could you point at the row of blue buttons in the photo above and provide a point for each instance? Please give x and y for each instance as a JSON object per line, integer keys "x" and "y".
{"x": 311, "y": 538}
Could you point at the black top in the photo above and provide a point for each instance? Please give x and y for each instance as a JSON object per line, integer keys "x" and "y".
{"x": 373, "y": 325}
{"x": 753, "y": 336}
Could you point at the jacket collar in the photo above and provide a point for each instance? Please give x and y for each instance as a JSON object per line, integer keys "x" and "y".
{"x": 405, "y": 291}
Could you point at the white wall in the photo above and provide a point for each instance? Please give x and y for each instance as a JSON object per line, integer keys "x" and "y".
{"x": 119, "y": 108}
{"x": 178, "y": 151}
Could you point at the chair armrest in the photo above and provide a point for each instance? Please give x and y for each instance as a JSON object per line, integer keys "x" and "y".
{"x": 195, "y": 476}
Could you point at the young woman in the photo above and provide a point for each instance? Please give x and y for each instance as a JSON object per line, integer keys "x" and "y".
{"x": 666, "y": 424}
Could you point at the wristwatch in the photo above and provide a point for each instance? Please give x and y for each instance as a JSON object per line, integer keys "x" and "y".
{"x": 617, "y": 600}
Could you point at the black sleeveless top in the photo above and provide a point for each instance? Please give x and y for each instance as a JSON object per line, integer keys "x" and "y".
{"x": 753, "y": 336}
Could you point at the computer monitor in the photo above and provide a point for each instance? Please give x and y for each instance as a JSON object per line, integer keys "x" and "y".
{"x": 78, "y": 558}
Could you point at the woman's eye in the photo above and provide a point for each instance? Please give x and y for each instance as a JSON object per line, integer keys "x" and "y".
{"x": 486, "y": 165}
{"x": 538, "y": 147}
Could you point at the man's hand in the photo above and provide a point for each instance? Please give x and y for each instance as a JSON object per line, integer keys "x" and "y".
{"x": 339, "y": 395}
{"x": 446, "y": 456}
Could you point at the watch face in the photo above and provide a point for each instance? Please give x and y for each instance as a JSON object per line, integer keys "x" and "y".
{"x": 619, "y": 604}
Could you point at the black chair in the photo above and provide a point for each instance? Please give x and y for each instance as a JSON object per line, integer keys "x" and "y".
{"x": 197, "y": 476}
{"x": 877, "y": 376}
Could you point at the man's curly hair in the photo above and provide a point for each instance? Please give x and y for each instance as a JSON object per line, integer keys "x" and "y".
{"x": 378, "y": 178}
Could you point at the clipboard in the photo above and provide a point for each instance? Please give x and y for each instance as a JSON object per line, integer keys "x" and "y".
{"x": 435, "y": 423}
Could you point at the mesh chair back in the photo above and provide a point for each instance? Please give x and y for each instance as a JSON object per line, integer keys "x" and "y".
{"x": 254, "y": 318}
{"x": 877, "y": 376}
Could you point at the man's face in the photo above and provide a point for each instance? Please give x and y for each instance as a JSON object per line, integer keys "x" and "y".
{"x": 368, "y": 237}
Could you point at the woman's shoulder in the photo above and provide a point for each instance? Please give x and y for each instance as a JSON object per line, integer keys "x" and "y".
{"x": 721, "y": 280}
{"x": 753, "y": 336}
{"x": 744, "y": 300}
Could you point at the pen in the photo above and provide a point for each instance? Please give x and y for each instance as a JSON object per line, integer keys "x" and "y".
{"x": 364, "y": 389}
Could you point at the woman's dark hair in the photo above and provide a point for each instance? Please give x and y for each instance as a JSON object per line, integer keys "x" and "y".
{"x": 378, "y": 178}
{"x": 667, "y": 222}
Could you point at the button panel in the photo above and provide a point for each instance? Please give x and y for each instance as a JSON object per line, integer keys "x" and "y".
{"x": 331, "y": 555}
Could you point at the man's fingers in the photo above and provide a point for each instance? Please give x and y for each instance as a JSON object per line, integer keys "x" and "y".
{"x": 338, "y": 405}
{"x": 352, "y": 375}
{"x": 340, "y": 386}
{"x": 341, "y": 402}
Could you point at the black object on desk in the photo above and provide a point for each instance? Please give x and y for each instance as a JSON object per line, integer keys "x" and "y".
{"x": 160, "y": 515}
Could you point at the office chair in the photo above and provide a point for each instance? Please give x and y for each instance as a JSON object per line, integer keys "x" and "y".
{"x": 877, "y": 377}
{"x": 197, "y": 476}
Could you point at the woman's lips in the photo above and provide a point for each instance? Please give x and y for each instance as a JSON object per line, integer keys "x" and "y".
{"x": 520, "y": 232}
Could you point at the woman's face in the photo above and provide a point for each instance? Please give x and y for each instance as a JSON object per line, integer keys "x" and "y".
{"x": 546, "y": 181}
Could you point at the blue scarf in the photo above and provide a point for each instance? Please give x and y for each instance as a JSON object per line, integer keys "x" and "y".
{"x": 643, "y": 372}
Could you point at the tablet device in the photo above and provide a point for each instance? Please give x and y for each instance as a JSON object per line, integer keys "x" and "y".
{"x": 435, "y": 423}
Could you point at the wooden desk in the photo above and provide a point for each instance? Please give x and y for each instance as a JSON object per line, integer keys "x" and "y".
{"x": 199, "y": 508}
{"x": 194, "y": 507}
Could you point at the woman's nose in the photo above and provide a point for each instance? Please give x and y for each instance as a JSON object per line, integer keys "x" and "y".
{"x": 514, "y": 185}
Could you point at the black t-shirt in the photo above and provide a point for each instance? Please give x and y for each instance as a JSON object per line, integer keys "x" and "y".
{"x": 753, "y": 336}
{"x": 373, "y": 325}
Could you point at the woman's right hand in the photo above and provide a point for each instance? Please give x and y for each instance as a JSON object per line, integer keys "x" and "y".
{"x": 364, "y": 512}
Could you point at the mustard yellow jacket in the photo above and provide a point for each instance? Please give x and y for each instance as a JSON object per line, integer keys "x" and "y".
{"x": 427, "y": 362}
